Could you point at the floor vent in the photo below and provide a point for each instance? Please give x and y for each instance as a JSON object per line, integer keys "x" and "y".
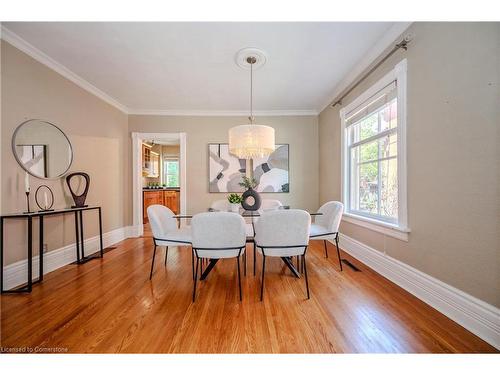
{"x": 345, "y": 261}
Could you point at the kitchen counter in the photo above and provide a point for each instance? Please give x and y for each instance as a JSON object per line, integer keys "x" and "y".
{"x": 168, "y": 197}
{"x": 161, "y": 189}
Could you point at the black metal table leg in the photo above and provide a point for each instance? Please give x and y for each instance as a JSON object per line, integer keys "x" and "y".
{"x": 30, "y": 253}
{"x": 40, "y": 249}
{"x": 82, "y": 244}
{"x": 289, "y": 263}
{"x": 85, "y": 259}
{"x": 209, "y": 268}
{"x": 77, "y": 238}
{"x": 100, "y": 233}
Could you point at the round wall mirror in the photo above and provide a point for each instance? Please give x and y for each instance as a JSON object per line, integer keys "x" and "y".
{"x": 42, "y": 149}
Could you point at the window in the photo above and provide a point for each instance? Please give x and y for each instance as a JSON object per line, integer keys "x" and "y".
{"x": 374, "y": 155}
{"x": 171, "y": 172}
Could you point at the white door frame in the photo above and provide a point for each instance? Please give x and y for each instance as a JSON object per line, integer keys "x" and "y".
{"x": 137, "y": 138}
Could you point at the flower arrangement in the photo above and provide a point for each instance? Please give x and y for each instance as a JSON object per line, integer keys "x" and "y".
{"x": 248, "y": 183}
{"x": 234, "y": 198}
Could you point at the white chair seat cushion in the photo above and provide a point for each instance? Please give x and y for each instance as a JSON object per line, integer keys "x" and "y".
{"x": 175, "y": 237}
{"x": 319, "y": 232}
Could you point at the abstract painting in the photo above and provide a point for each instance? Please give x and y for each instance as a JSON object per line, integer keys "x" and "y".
{"x": 226, "y": 170}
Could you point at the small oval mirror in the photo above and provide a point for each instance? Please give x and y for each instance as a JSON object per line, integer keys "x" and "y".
{"x": 42, "y": 149}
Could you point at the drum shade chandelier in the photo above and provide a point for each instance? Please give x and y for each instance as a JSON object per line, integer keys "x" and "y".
{"x": 252, "y": 140}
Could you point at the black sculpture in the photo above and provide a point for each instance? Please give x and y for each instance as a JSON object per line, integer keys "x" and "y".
{"x": 45, "y": 206}
{"x": 79, "y": 199}
{"x": 251, "y": 193}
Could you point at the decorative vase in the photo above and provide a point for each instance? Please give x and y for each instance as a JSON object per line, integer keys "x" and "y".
{"x": 249, "y": 194}
{"x": 234, "y": 207}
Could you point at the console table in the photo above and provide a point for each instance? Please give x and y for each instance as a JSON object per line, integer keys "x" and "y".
{"x": 80, "y": 246}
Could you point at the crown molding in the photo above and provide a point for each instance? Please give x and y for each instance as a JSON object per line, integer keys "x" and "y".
{"x": 35, "y": 53}
{"x": 21, "y": 44}
{"x": 221, "y": 113}
{"x": 385, "y": 42}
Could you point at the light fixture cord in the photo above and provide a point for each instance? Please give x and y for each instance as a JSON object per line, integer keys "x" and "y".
{"x": 251, "y": 93}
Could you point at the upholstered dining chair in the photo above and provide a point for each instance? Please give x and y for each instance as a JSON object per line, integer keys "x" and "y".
{"x": 223, "y": 205}
{"x": 165, "y": 231}
{"x": 266, "y": 205}
{"x": 326, "y": 226}
{"x": 284, "y": 234}
{"x": 218, "y": 235}
{"x": 270, "y": 204}
{"x": 220, "y": 205}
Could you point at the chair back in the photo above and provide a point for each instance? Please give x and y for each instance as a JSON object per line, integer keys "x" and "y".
{"x": 283, "y": 232}
{"x": 332, "y": 214}
{"x": 161, "y": 220}
{"x": 218, "y": 234}
{"x": 220, "y": 205}
{"x": 270, "y": 204}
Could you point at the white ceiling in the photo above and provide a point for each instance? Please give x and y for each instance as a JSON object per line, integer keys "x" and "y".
{"x": 148, "y": 66}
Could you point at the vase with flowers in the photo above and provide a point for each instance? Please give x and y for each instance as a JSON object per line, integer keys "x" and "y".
{"x": 250, "y": 195}
{"x": 234, "y": 202}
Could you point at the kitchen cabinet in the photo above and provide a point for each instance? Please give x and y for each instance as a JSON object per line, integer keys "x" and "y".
{"x": 168, "y": 198}
{"x": 171, "y": 200}
{"x": 150, "y": 162}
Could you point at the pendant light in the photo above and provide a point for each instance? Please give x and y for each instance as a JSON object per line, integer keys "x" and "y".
{"x": 252, "y": 140}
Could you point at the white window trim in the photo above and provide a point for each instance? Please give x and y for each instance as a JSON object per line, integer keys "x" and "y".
{"x": 400, "y": 230}
{"x": 165, "y": 174}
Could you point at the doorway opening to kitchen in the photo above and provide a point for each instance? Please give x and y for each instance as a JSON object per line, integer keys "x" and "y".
{"x": 159, "y": 175}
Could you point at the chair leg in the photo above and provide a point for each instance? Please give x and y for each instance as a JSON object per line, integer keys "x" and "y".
{"x": 239, "y": 276}
{"x": 152, "y": 264}
{"x": 254, "y": 258}
{"x": 192, "y": 262}
{"x": 305, "y": 274}
{"x": 326, "y": 248}
{"x": 245, "y": 261}
{"x": 263, "y": 270}
{"x": 201, "y": 266}
{"x": 338, "y": 251}
{"x": 195, "y": 278}
{"x": 166, "y": 255}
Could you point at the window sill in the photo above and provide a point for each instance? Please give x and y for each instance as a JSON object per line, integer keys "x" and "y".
{"x": 377, "y": 226}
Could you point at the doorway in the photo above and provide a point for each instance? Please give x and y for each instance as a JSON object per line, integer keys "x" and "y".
{"x": 140, "y": 180}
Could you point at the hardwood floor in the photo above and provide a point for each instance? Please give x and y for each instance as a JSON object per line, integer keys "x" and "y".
{"x": 110, "y": 306}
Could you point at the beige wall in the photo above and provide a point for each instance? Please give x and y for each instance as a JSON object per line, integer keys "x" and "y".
{"x": 301, "y": 132}
{"x": 97, "y": 131}
{"x": 453, "y": 154}
{"x": 453, "y": 157}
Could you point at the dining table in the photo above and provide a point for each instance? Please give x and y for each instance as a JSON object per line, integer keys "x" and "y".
{"x": 250, "y": 239}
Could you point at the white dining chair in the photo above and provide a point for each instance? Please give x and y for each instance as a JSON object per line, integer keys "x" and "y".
{"x": 223, "y": 205}
{"x": 284, "y": 234}
{"x": 270, "y": 204}
{"x": 165, "y": 232}
{"x": 220, "y": 205}
{"x": 326, "y": 226}
{"x": 266, "y": 205}
{"x": 218, "y": 235}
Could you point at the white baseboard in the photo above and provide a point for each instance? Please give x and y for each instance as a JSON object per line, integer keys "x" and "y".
{"x": 475, "y": 315}
{"x": 15, "y": 273}
{"x": 134, "y": 231}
